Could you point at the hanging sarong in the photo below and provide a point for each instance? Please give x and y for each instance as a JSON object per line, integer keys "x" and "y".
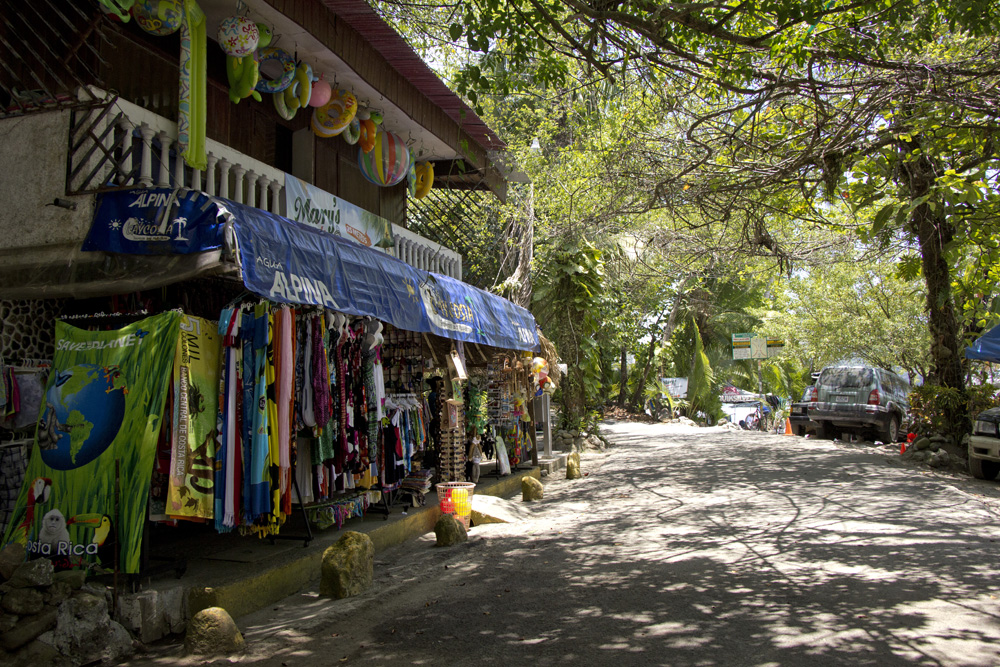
{"x": 255, "y": 412}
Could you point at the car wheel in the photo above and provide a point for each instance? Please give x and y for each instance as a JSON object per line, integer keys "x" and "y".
{"x": 891, "y": 432}
{"x": 981, "y": 469}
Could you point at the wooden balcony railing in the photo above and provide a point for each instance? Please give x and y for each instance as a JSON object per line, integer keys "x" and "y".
{"x": 115, "y": 144}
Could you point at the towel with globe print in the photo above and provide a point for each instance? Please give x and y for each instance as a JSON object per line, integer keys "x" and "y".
{"x": 102, "y": 410}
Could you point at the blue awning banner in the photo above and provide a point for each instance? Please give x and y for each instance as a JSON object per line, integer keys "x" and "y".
{"x": 986, "y": 347}
{"x": 288, "y": 262}
{"x": 156, "y": 221}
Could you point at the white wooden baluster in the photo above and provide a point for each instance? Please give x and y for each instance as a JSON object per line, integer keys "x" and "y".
{"x": 275, "y": 197}
{"x": 164, "y": 178}
{"x": 146, "y": 164}
{"x": 224, "y": 166}
{"x": 251, "y": 180}
{"x": 196, "y": 180}
{"x": 210, "y": 174}
{"x": 125, "y": 170}
{"x": 179, "y": 167}
{"x": 264, "y": 182}
{"x": 239, "y": 170}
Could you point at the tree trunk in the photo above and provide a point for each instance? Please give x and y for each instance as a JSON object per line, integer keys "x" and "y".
{"x": 623, "y": 377}
{"x": 934, "y": 232}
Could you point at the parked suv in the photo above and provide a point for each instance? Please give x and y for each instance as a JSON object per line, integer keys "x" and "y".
{"x": 799, "y": 414}
{"x": 862, "y": 400}
{"x": 984, "y": 445}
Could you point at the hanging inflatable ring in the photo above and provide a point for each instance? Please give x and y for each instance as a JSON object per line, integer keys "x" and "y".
{"x": 352, "y": 132}
{"x": 288, "y": 69}
{"x": 298, "y": 93}
{"x": 367, "y": 139}
{"x": 333, "y": 118}
{"x": 425, "y": 179}
{"x": 281, "y": 107}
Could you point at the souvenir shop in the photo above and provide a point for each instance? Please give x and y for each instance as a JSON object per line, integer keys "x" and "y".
{"x": 325, "y": 381}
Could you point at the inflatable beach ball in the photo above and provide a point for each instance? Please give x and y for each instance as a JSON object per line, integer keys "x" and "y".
{"x": 388, "y": 161}
{"x": 238, "y": 36}
{"x": 158, "y": 17}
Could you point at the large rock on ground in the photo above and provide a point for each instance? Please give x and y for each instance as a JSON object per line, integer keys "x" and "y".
{"x": 449, "y": 531}
{"x": 573, "y": 466}
{"x": 531, "y": 489}
{"x": 23, "y": 602}
{"x": 86, "y": 632}
{"x": 11, "y": 558}
{"x": 212, "y": 631}
{"x": 37, "y": 653}
{"x": 493, "y": 509}
{"x": 35, "y": 573}
{"x": 348, "y": 566}
{"x": 27, "y": 629}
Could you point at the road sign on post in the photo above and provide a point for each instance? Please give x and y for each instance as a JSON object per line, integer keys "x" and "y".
{"x": 748, "y": 346}
{"x": 741, "y": 345}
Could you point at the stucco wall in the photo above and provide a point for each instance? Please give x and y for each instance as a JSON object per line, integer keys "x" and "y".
{"x": 33, "y": 168}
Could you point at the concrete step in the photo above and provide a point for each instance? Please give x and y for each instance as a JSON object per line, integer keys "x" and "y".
{"x": 165, "y": 604}
{"x": 550, "y": 464}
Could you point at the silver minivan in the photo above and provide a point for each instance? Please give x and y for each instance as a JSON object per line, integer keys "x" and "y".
{"x": 860, "y": 400}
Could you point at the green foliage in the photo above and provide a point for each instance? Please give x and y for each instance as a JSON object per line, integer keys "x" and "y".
{"x": 566, "y": 300}
{"x": 703, "y": 395}
{"x": 853, "y": 305}
{"x": 933, "y": 408}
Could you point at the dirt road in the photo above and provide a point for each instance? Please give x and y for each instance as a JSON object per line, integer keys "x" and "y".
{"x": 683, "y": 546}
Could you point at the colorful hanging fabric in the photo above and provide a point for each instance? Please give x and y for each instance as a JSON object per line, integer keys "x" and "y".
{"x": 320, "y": 374}
{"x": 192, "y": 98}
{"x": 196, "y": 379}
{"x": 227, "y": 463}
{"x": 268, "y": 524}
{"x": 255, "y": 412}
{"x": 285, "y": 371}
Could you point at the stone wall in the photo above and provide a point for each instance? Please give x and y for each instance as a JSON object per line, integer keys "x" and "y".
{"x": 54, "y": 618}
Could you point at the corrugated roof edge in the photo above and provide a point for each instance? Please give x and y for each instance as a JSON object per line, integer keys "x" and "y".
{"x": 401, "y": 56}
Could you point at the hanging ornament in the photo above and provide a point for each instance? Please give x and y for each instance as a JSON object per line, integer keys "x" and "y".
{"x": 333, "y": 117}
{"x": 368, "y": 134}
{"x": 264, "y": 35}
{"x": 321, "y": 93}
{"x": 158, "y": 17}
{"x": 411, "y": 175}
{"x": 243, "y": 75}
{"x": 238, "y": 36}
{"x": 352, "y": 132}
{"x": 284, "y": 60}
{"x": 387, "y": 163}
{"x": 425, "y": 179}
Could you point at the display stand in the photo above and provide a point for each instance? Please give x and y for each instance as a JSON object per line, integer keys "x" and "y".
{"x": 543, "y": 416}
{"x": 309, "y": 535}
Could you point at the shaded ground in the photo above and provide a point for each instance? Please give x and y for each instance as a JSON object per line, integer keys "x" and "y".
{"x": 683, "y": 546}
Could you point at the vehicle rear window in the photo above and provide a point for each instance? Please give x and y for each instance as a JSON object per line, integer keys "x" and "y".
{"x": 847, "y": 378}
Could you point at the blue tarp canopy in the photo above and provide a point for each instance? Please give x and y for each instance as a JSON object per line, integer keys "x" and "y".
{"x": 288, "y": 262}
{"x": 986, "y": 347}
